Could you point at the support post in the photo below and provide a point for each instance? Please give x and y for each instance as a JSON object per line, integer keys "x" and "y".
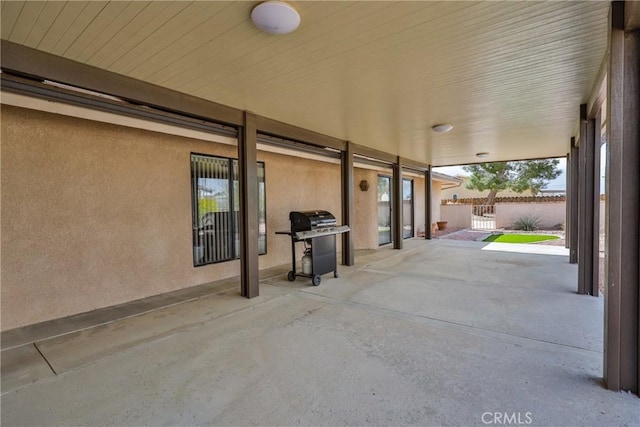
{"x": 428, "y": 214}
{"x": 567, "y": 203}
{"x": 347, "y": 204}
{"x": 595, "y": 232}
{"x": 396, "y": 222}
{"x": 622, "y": 254}
{"x": 248, "y": 183}
{"x": 586, "y": 198}
{"x": 573, "y": 203}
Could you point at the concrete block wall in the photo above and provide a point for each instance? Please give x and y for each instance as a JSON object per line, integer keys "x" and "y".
{"x": 418, "y": 205}
{"x": 550, "y": 215}
{"x": 436, "y": 196}
{"x": 457, "y": 216}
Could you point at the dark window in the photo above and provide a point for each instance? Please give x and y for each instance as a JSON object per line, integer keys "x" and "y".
{"x": 215, "y": 209}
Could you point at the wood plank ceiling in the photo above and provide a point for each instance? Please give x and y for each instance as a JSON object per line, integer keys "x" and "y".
{"x": 509, "y": 75}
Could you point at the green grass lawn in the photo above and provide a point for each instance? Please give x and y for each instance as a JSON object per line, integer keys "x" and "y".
{"x": 519, "y": 238}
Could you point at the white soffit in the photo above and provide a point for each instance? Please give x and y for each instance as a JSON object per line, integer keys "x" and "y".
{"x": 509, "y": 76}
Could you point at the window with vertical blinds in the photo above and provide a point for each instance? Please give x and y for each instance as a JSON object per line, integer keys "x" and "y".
{"x": 215, "y": 209}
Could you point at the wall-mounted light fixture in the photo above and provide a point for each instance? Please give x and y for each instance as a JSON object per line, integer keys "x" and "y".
{"x": 364, "y": 185}
{"x": 482, "y": 154}
{"x": 275, "y": 17}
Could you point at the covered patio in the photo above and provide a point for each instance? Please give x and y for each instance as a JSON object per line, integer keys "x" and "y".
{"x": 126, "y": 125}
{"x": 439, "y": 333}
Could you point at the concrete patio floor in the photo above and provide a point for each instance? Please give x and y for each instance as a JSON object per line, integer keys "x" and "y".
{"x": 440, "y": 333}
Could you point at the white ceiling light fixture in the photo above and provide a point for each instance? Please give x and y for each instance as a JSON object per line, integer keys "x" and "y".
{"x": 275, "y": 17}
{"x": 442, "y": 127}
{"x": 482, "y": 154}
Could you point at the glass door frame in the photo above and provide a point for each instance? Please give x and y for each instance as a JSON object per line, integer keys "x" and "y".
{"x": 412, "y": 207}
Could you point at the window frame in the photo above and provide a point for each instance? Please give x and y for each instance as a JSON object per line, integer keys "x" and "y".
{"x": 235, "y": 226}
{"x": 413, "y": 201}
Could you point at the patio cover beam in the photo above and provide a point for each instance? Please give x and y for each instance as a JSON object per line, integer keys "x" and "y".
{"x": 59, "y": 94}
{"x": 295, "y": 133}
{"x": 632, "y": 15}
{"x": 34, "y": 63}
{"x": 372, "y": 153}
{"x": 622, "y": 302}
{"x": 414, "y": 165}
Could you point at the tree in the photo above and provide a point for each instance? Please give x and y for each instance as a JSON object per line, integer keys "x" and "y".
{"x": 518, "y": 176}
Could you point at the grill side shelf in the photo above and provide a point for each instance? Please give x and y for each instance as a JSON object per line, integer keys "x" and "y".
{"x": 318, "y": 232}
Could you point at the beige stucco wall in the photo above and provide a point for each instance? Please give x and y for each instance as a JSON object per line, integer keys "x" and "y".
{"x": 95, "y": 214}
{"x": 436, "y": 196}
{"x": 366, "y": 208}
{"x": 418, "y": 205}
{"x": 365, "y": 227}
{"x": 457, "y": 216}
{"x": 550, "y": 214}
{"x": 296, "y": 184}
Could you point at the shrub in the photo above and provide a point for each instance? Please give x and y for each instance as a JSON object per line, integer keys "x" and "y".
{"x": 527, "y": 223}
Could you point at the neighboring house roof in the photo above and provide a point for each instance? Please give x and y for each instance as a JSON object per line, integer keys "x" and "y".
{"x": 547, "y": 191}
{"x": 442, "y": 177}
{"x": 460, "y": 191}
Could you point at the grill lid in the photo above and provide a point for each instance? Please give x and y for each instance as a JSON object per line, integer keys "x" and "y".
{"x": 309, "y": 220}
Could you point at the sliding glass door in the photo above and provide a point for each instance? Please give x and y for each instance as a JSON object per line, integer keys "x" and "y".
{"x": 407, "y": 208}
{"x": 384, "y": 210}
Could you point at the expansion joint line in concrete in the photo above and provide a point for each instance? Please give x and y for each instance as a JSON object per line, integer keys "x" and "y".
{"x": 45, "y": 359}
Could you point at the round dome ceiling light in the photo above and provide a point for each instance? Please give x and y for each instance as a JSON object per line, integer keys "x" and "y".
{"x": 442, "y": 127}
{"x": 482, "y": 154}
{"x": 275, "y": 17}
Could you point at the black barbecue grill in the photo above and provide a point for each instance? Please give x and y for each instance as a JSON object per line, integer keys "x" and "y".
{"x": 317, "y": 230}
